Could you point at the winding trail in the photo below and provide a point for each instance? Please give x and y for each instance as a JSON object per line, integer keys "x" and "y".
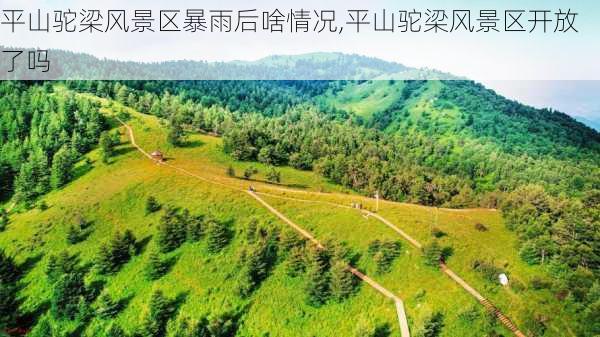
{"x": 402, "y": 319}
{"x": 399, "y": 304}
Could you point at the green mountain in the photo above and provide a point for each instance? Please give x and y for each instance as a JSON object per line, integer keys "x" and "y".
{"x": 317, "y": 66}
{"x": 96, "y": 239}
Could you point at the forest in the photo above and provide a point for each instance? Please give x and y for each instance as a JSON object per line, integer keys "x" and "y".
{"x": 451, "y": 144}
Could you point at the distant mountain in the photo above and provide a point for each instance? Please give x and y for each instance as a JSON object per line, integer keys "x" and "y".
{"x": 314, "y": 66}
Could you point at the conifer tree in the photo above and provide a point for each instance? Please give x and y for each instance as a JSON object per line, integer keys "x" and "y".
{"x": 288, "y": 239}
{"x": 3, "y": 219}
{"x": 43, "y": 328}
{"x": 116, "y": 252}
{"x": 217, "y": 235}
{"x": 154, "y": 323}
{"x": 62, "y": 165}
{"x": 106, "y": 147}
{"x": 342, "y": 281}
{"x": 156, "y": 267}
{"x": 9, "y": 272}
{"x": 107, "y": 306}
{"x": 66, "y": 295}
{"x": 114, "y": 330}
{"x": 176, "y": 134}
{"x": 433, "y": 325}
{"x": 152, "y": 205}
{"x": 295, "y": 263}
{"x": 9, "y": 303}
{"x": 195, "y": 228}
{"x": 432, "y": 254}
{"x": 73, "y": 234}
{"x": 317, "y": 287}
{"x": 172, "y": 231}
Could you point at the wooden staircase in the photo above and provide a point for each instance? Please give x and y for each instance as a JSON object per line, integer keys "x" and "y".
{"x": 502, "y": 318}
{"x": 484, "y": 301}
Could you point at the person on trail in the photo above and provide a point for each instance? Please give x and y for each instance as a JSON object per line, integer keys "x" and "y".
{"x": 251, "y": 189}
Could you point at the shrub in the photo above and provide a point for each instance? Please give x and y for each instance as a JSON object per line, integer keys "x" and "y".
{"x": 487, "y": 269}
{"x": 152, "y": 205}
{"x": 433, "y": 325}
{"x": 249, "y": 172}
{"x": 230, "y": 171}
{"x": 432, "y": 254}
{"x": 481, "y": 227}
{"x": 273, "y": 176}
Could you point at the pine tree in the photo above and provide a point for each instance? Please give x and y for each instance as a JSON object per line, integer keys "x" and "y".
{"x": 43, "y": 328}
{"x": 217, "y": 235}
{"x": 66, "y": 295}
{"x": 116, "y": 252}
{"x": 3, "y": 219}
{"x": 9, "y": 303}
{"x": 222, "y": 325}
{"x": 73, "y": 234}
{"x": 9, "y": 272}
{"x": 61, "y": 264}
{"x": 432, "y": 254}
{"x": 172, "y": 231}
{"x": 25, "y": 186}
{"x": 295, "y": 263}
{"x": 433, "y": 325}
{"x": 257, "y": 262}
{"x": 107, "y": 307}
{"x": 121, "y": 94}
{"x": 200, "y": 328}
{"x": 384, "y": 253}
{"x": 182, "y": 329}
{"x": 156, "y": 267}
{"x": 176, "y": 134}
{"x": 62, "y": 165}
{"x": 114, "y": 330}
{"x": 106, "y": 147}
{"x": 317, "y": 287}
{"x": 342, "y": 281}
{"x": 155, "y": 320}
{"x": 288, "y": 239}
{"x": 195, "y": 228}
{"x": 104, "y": 260}
{"x": 152, "y": 205}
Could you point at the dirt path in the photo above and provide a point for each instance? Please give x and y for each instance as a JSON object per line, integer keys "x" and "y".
{"x": 402, "y": 319}
{"x": 443, "y": 267}
{"x": 468, "y": 288}
{"x": 398, "y": 302}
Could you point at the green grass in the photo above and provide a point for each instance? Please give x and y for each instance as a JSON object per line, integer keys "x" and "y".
{"x": 113, "y": 196}
{"x": 366, "y": 98}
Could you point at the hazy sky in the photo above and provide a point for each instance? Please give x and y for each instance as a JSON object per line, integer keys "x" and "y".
{"x": 494, "y": 56}
{"x": 489, "y": 58}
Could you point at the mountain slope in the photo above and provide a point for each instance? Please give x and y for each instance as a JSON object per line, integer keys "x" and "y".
{"x": 112, "y": 197}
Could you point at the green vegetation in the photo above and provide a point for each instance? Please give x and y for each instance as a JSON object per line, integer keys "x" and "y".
{"x": 105, "y": 258}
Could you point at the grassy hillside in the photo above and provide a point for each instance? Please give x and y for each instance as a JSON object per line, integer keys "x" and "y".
{"x": 112, "y": 198}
